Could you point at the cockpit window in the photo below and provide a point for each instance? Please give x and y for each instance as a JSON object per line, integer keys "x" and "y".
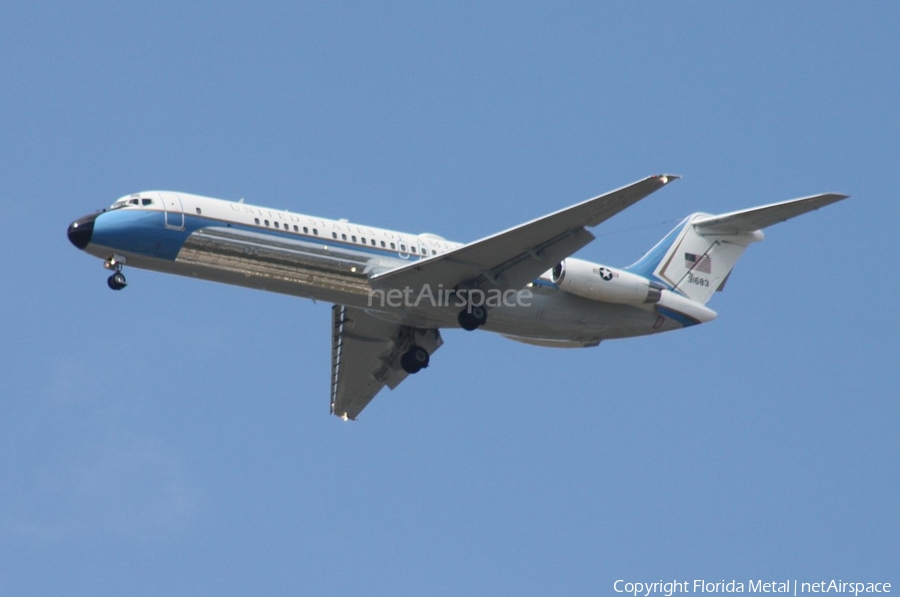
{"x": 133, "y": 200}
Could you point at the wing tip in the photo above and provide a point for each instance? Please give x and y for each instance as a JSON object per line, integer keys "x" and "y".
{"x": 666, "y": 178}
{"x": 343, "y": 416}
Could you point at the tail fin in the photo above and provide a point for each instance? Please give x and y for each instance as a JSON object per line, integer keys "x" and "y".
{"x": 696, "y": 257}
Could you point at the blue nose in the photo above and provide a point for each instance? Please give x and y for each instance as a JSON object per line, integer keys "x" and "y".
{"x": 81, "y": 230}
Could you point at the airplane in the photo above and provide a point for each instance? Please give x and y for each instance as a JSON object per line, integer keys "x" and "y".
{"x": 393, "y": 292}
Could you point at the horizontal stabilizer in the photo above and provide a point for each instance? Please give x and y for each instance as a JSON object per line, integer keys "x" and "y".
{"x": 757, "y": 218}
{"x": 697, "y": 256}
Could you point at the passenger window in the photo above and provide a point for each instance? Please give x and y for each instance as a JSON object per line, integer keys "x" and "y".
{"x": 267, "y": 222}
{"x": 256, "y": 220}
{"x": 433, "y": 252}
{"x": 305, "y": 230}
{"x": 402, "y": 247}
{"x": 382, "y": 244}
{"x": 334, "y": 235}
{"x": 275, "y": 224}
{"x": 393, "y": 246}
{"x": 198, "y": 211}
{"x": 412, "y": 250}
{"x": 373, "y": 242}
{"x": 316, "y": 231}
{"x": 353, "y": 238}
{"x": 362, "y": 240}
{"x": 296, "y": 229}
{"x": 343, "y": 237}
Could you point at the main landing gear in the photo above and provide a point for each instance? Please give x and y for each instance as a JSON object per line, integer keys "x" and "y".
{"x": 472, "y": 317}
{"x": 415, "y": 359}
{"x": 117, "y": 280}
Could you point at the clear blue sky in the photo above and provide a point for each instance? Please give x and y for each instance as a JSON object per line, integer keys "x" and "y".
{"x": 174, "y": 438}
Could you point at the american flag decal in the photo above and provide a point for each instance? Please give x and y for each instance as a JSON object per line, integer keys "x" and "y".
{"x": 698, "y": 263}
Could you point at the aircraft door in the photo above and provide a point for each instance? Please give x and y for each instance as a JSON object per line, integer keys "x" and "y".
{"x": 174, "y": 210}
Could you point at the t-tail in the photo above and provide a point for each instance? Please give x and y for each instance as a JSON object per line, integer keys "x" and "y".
{"x": 696, "y": 258}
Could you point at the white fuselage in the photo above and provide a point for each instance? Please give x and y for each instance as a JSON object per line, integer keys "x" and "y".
{"x": 333, "y": 260}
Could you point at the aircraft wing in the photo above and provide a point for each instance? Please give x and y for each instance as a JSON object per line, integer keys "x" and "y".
{"x": 514, "y": 257}
{"x": 365, "y": 357}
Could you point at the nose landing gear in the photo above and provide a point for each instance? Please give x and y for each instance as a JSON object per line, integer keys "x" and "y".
{"x": 117, "y": 280}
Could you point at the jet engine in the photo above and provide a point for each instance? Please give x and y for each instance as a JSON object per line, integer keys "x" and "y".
{"x": 602, "y": 283}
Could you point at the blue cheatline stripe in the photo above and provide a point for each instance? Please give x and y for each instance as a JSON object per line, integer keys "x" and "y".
{"x": 144, "y": 232}
{"x": 679, "y": 317}
{"x": 322, "y": 240}
{"x": 647, "y": 264}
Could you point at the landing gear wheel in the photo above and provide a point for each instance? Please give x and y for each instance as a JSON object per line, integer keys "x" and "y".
{"x": 471, "y": 318}
{"x": 117, "y": 281}
{"x": 480, "y": 315}
{"x": 415, "y": 359}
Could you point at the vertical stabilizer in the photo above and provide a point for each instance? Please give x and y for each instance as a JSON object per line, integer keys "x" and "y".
{"x": 698, "y": 263}
{"x": 697, "y": 256}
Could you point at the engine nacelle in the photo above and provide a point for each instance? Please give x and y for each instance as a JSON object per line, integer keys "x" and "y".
{"x": 601, "y": 283}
